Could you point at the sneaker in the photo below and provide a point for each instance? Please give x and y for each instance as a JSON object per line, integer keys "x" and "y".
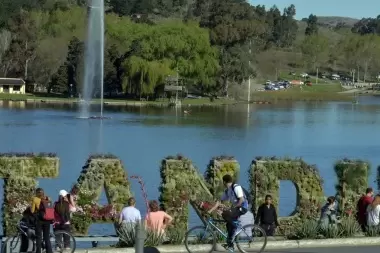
{"x": 228, "y": 247}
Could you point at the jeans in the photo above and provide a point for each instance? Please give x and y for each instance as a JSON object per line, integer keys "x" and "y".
{"x": 230, "y": 216}
{"x": 27, "y": 244}
{"x": 43, "y": 230}
{"x": 66, "y": 238}
{"x": 269, "y": 229}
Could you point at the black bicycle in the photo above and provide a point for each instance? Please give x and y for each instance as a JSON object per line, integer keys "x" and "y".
{"x": 62, "y": 241}
{"x": 248, "y": 238}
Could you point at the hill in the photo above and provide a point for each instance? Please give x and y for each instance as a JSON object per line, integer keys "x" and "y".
{"x": 333, "y": 21}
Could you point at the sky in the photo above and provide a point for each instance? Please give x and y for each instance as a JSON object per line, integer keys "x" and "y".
{"x": 343, "y": 8}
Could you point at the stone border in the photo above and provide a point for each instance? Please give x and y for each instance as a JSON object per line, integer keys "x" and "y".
{"x": 288, "y": 244}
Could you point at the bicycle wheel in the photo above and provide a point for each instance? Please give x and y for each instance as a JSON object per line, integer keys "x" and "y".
{"x": 14, "y": 244}
{"x": 251, "y": 238}
{"x": 63, "y": 241}
{"x": 200, "y": 238}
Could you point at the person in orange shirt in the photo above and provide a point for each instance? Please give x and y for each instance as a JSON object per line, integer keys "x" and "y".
{"x": 157, "y": 220}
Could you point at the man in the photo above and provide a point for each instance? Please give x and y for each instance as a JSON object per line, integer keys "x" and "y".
{"x": 267, "y": 216}
{"x": 130, "y": 214}
{"x": 234, "y": 193}
{"x": 362, "y": 205}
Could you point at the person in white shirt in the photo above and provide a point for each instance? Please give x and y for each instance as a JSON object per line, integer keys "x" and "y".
{"x": 373, "y": 212}
{"x": 130, "y": 214}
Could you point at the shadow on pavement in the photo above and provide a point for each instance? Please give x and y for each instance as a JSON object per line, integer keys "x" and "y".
{"x": 151, "y": 250}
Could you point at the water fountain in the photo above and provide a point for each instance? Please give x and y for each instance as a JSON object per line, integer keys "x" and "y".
{"x": 94, "y": 59}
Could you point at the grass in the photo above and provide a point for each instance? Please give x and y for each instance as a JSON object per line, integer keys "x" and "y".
{"x": 57, "y": 98}
{"x": 317, "y": 92}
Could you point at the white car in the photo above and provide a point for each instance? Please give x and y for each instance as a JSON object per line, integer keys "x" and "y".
{"x": 304, "y": 75}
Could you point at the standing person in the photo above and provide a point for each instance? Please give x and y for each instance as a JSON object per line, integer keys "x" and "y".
{"x": 157, "y": 220}
{"x": 40, "y": 202}
{"x": 362, "y": 205}
{"x": 130, "y": 214}
{"x": 234, "y": 193}
{"x": 62, "y": 220}
{"x": 267, "y": 216}
{"x": 328, "y": 213}
{"x": 373, "y": 212}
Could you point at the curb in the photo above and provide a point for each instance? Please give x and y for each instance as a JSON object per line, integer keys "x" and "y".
{"x": 289, "y": 244}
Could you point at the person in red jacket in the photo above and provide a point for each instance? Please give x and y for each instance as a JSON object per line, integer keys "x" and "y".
{"x": 362, "y": 205}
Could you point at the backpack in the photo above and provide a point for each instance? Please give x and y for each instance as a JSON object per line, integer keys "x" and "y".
{"x": 46, "y": 213}
{"x": 246, "y": 193}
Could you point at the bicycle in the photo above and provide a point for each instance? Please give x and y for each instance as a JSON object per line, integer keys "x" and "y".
{"x": 14, "y": 242}
{"x": 248, "y": 232}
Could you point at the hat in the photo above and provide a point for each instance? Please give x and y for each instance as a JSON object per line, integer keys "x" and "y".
{"x": 63, "y": 193}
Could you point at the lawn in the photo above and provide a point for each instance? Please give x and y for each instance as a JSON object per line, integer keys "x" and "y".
{"x": 316, "y": 92}
{"x": 186, "y": 101}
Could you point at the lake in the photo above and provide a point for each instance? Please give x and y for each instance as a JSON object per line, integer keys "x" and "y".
{"x": 320, "y": 133}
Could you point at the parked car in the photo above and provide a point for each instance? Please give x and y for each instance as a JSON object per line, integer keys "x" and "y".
{"x": 304, "y": 75}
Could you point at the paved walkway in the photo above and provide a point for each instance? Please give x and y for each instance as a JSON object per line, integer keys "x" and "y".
{"x": 360, "y": 249}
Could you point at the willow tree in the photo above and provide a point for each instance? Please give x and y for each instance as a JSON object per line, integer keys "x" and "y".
{"x": 166, "y": 48}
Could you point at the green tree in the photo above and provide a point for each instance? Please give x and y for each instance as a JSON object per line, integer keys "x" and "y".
{"x": 315, "y": 49}
{"x": 75, "y": 58}
{"x": 312, "y": 25}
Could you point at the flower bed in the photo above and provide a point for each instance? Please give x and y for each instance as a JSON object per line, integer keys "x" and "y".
{"x": 265, "y": 177}
{"x": 181, "y": 183}
{"x": 19, "y": 171}
{"x": 217, "y": 168}
{"x": 352, "y": 182}
{"x": 100, "y": 171}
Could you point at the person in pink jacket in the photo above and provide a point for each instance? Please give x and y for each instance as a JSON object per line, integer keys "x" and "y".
{"x": 157, "y": 220}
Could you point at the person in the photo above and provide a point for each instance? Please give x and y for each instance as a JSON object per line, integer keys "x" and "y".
{"x": 72, "y": 203}
{"x": 373, "y": 212}
{"x": 42, "y": 227}
{"x": 233, "y": 193}
{"x": 62, "y": 220}
{"x": 157, "y": 220}
{"x": 27, "y": 225}
{"x": 130, "y": 214}
{"x": 266, "y": 216}
{"x": 328, "y": 212}
{"x": 362, "y": 206}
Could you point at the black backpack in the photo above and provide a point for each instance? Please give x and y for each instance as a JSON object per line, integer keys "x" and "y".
{"x": 246, "y": 193}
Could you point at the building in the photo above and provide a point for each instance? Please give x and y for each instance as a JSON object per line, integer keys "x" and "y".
{"x": 12, "y": 85}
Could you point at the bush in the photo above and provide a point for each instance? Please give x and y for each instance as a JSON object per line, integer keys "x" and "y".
{"x": 373, "y": 231}
{"x": 307, "y": 230}
{"x": 127, "y": 235}
{"x": 349, "y": 227}
{"x": 331, "y": 231}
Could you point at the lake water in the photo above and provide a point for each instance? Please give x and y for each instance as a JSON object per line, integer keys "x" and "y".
{"x": 320, "y": 133}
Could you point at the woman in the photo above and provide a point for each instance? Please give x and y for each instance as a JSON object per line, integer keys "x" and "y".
{"x": 157, "y": 220}
{"x": 42, "y": 226}
{"x": 62, "y": 220}
{"x": 328, "y": 212}
{"x": 373, "y": 212}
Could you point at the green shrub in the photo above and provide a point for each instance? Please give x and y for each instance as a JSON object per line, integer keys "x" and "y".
{"x": 331, "y": 231}
{"x": 372, "y": 231}
{"x": 307, "y": 230}
{"x": 349, "y": 227}
{"x": 127, "y": 235}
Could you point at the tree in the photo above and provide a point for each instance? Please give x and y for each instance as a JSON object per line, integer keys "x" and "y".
{"x": 315, "y": 49}
{"x": 75, "y": 58}
{"x": 312, "y": 25}
{"x": 166, "y": 48}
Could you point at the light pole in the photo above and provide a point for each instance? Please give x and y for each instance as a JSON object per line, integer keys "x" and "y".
{"x": 249, "y": 77}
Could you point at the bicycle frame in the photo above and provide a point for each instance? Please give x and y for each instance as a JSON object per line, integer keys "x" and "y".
{"x": 210, "y": 223}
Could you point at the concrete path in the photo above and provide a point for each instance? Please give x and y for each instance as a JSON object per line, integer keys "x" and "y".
{"x": 359, "y": 249}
